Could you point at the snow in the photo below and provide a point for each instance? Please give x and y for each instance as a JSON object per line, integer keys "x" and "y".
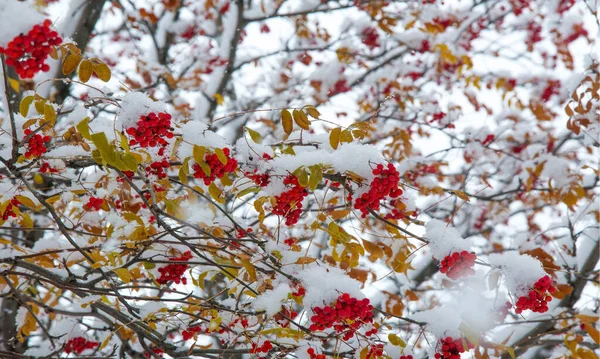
{"x": 136, "y": 104}
{"x": 324, "y": 284}
{"x": 17, "y": 18}
{"x": 520, "y": 271}
{"x": 272, "y": 300}
{"x": 444, "y": 239}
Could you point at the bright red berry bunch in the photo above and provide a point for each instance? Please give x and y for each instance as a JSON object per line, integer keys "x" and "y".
{"x": 345, "y": 315}
{"x": 458, "y": 264}
{"x": 47, "y": 169}
{"x": 370, "y": 37}
{"x": 264, "y": 348}
{"x": 299, "y": 292}
{"x": 218, "y": 169}
{"x": 375, "y": 351}
{"x": 538, "y": 297}
{"x": 313, "y": 355}
{"x": 189, "y": 333}
{"x": 151, "y": 130}
{"x": 406, "y": 357}
{"x": 78, "y": 345}
{"x": 27, "y": 53}
{"x": 289, "y": 203}
{"x": 450, "y": 348}
{"x": 384, "y": 185}
{"x": 36, "y": 144}
{"x": 261, "y": 179}
{"x": 8, "y": 212}
{"x": 94, "y": 204}
{"x": 175, "y": 272}
{"x": 158, "y": 168}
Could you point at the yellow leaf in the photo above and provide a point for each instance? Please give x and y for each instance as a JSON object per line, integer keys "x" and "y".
{"x": 84, "y": 128}
{"x": 25, "y": 104}
{"x": 286, "y": 121}
{"x": 315, "y": 177}
{"x": 38, "y": 178}
{"x": 216, "y": 193}
{"x": 250, "y": 269}
{"x": 255, "y": 136}
{"x": 219, "y": 98}
{"x": 26, "y": 201}
{"x": 334, "y": 137}
{"x": 102, "y": 71}
{"x": 14, "y": 84}
{"x": 85, "y": 70}
{"x": 375, "y": 251}
{"x": 462, "y": 195}
{"x": 339, "y": 213}
{"x": 313, "y": 112}
{"x": 123, "y": 274}
{"x": 198, "y": 153}
{"x": 221, "y": 155}
{"x": 305, "y": 260}
{"x": 396, "y": 340}
{"x": 301, "y": 119}
{"x": 50, "y": 113}
{"x": 71, "y": 63}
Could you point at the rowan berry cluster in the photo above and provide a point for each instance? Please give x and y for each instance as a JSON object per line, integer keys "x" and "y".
{"x": 36, "y": 144}
{"x": 47, "y": 169}
{"x": 370, "y": 37}
{"x": 217, "y": 168}
{"x": 345, "y": 315}
{"x": 313, "y": 355}
{"x": 299, "y": 292}
{"x": 289, "y": 203}
{"x": 450, "y": 348}
{"x": 261, "y": 179}
{"x": 158, "y": 168}
{"x": 78, "y": 345}
{"x": 384, "y": 185}
{"x": 458, "y": 264}
{"x": 406, "y": 357}
{"x": 189, "y": 333}
{"x": 375, "y": 351}
{"x": 175, "y": 272}
{"x": 151, "y": 130}
{"x": 94, "y": 204}
{"x": 264, "y": 348}
{"x": 156, "y": 351}
{"x": 538, "y": 297}
{"x": 27, "y": 53}
{"x": 8, "y": 212}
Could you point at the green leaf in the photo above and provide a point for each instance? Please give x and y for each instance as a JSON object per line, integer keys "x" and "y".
{"x": 50, "y": 113}
{"x": 198, "y": 152}
{"x": 315, "y": 177}
{"x": 396, "y": 340}
{"x": 247, "y": 191}
{"x": 255, "y": 136}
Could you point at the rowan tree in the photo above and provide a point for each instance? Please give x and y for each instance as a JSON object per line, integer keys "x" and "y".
{"x": 299, "y": 178}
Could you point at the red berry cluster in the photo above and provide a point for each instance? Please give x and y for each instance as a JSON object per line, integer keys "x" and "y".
{"x": 346, "y": 315}
{"x": 340, "y": 86}
{"x": 406, "y": 357}
{"x": 175, "y": 272}
{"x": 370, "y": 37}
{"x": 28, "y": 52}
{"x": 300, "y": 291}
{"x": 538, "y": 297}
{"x": 313, "y": 355}
{"x": 189, "y": 333}
{"x": 156, "y": 351}
{"x": 151, "y": 130}
{"x": 395, "y": 213}
{"x": 385, "y": 184}
{"x": 264, "y": 348}
{"x": 8, "y": 212}
{"x": 94, "y": 204}
{"x": 158, "y": 168}
{"x": 217, "y": 168}
{"x": 78, "y": 345}
{"x": 36, "y": 145}
{"x": 458, "y": 264}
{"x": 375, "y": 351}
{"x": 450, "y": 348}
{"x": 289, "y": 203}
{"x": 262, "y": 180}
{"x": 47, "y": 169}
